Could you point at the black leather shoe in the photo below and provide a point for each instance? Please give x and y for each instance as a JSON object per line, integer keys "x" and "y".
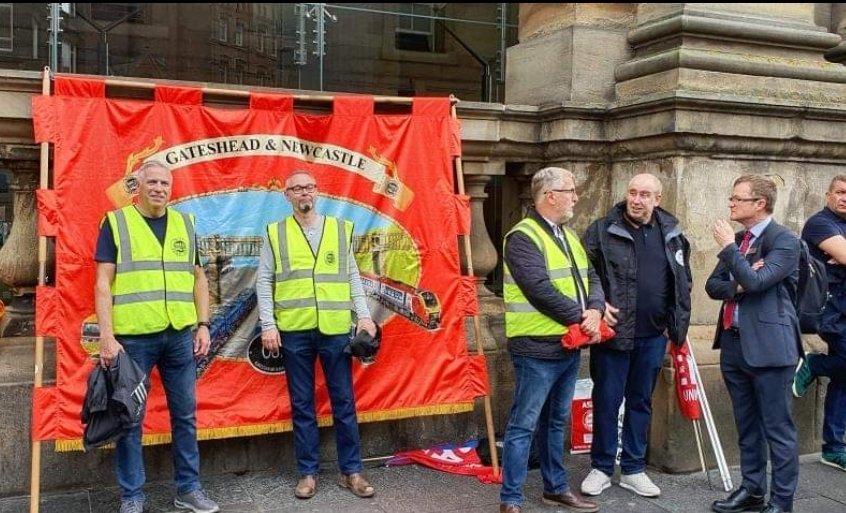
{"x": 773, "y": 508}
{"x": 740, "y": 500}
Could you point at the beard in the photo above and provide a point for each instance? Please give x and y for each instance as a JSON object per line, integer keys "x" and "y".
{"x": 305, "y": 207}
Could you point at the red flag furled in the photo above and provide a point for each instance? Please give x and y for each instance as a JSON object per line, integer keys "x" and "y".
{"x": 391, "y": 174}
{"x": 454, "y": 459}
{"x": 576, "y": 339}
{"x": 687, "y": 389}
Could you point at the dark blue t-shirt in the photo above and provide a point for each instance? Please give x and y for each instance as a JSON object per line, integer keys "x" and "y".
{"x": 106, "y": 250}
{"x": 821, "y": 226}
{"x": 653, "y": 279}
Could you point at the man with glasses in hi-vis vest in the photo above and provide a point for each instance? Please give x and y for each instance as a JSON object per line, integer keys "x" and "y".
{"x": 150, "y": 292}
{"x": 549, "y": 285}
{"x": 307, "y": 285}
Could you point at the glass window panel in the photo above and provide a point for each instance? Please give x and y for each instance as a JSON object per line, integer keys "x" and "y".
{"x": 6, "y": 27}
{"x": 222, "y": 30}
{"x": 239, "y": 35}
{"x": 35, "y": 45}
{"x": 367, "y": 48}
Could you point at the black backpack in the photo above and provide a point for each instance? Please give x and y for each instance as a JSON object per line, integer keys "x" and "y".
{"x": 812, "y": 287}
{"x": 811, "y": 292}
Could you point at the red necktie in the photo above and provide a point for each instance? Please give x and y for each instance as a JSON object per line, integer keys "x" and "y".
{"x": 728, "y": 311}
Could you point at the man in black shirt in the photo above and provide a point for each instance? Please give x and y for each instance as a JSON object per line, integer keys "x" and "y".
{"x": 643, "y": 260}
{"x": 150, "y": 291}
{"x": 825, "y": 233}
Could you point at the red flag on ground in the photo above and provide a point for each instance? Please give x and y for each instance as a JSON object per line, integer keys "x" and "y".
{"x": 687, "y": 389}
{"x": 454, "y": 459}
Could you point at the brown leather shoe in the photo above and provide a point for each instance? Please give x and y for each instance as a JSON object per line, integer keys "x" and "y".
{"x": 509, "y": 508}
{"x": 570, "y": 501}
{"x": 357, "y": 485}
{"x": 306, "y": 487}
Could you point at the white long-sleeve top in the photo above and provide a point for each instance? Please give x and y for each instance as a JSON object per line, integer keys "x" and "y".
{"x": 266, "y": 271}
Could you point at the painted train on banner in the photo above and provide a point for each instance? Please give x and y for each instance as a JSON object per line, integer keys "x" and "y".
{"x": 418, "y": 306}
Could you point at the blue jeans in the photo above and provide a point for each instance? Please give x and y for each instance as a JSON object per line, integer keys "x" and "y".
{"x": 618, "y": 374}
{"x": 173, "y": 353}
{"x": 543, "y": 393}
{"x": 300, "y": 350}
{"x": 833, "y": 366}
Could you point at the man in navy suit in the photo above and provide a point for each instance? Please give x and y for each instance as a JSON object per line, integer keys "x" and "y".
{"x": 758, "y": 334}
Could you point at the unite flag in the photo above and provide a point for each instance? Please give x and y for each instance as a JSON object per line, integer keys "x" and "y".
{"x": 687, "y": 389}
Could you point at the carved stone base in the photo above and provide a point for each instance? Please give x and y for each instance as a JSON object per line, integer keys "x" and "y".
{"x": 19, "y": 319}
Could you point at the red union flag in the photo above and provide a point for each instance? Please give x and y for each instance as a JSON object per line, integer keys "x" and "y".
{"x": 453, "y": 459}
{"x": 687, "y": 389}
{"x": 391, "y": 174}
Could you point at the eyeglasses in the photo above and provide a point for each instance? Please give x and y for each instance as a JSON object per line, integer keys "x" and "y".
{"x": 297, "y": 189}
{"x": 565, "y": 191}
{"x": 736, "y": 199}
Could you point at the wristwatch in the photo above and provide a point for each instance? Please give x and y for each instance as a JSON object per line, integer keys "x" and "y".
{"x": 204, "y": 323}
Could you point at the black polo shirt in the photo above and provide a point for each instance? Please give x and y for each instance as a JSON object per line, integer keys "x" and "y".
{"x": 653, "y": 279}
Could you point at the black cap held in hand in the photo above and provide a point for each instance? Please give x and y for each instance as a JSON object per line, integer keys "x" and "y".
{"x": 363, "y": 345}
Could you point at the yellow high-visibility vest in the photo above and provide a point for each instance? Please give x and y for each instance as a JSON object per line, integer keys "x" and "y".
{"x": 311, "y": 291}
{"x": 154, "y": 282}
{"x": 521, "y": 318}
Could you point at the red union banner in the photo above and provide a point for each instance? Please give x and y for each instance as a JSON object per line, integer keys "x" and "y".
{"x": 391, "y": 174}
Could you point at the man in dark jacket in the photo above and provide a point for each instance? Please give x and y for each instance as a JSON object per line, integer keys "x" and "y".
{"x": 549, "y": 286}
{"x": 643, "y": 260}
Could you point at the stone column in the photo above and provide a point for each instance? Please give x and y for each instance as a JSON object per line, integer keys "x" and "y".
{"x": 477, "y": 175}
{"x": 713, "y": 91}
{"x": 567, "y": 53}
{"x": 524, "y": 182}
{"x": 838, "y": 26}
{"x": 484, "y": 255}
{"x": 18, "y": 257}
{"x": 770, "y": 50}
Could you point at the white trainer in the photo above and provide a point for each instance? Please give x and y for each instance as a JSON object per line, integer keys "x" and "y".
{"x": 640, "y": 484}
{"x": 596, "y": 482}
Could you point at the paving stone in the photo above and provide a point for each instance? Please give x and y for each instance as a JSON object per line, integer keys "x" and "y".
{"x": 415, "y": 489}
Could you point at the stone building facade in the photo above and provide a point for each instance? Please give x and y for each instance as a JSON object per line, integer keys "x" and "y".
{"x": 697, "y": 94}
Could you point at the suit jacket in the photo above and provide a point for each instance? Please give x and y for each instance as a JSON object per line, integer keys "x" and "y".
{"x": 769, "y": 328}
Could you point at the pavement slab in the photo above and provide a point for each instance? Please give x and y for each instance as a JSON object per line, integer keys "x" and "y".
{"x": 415, "y": 489}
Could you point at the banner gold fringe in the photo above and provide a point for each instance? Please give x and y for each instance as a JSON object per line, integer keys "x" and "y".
{"x": 281, "y": 427}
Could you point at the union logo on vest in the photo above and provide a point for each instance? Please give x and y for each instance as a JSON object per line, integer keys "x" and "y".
{"x": 179, "y": 246}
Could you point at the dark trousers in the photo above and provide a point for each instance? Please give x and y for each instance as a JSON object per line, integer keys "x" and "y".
{"x": 301, "y": 350}
{"x": 761, "y": 399}
{"x": 833, "y": 366}
{"x": 630, "y": 375}
{"x": 173, "y": 353}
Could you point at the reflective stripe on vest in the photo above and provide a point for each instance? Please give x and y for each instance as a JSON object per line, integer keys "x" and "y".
{"x": 154, "y": 283}
{"x": 521, "y": 318}
{"x": 311, "y": 291}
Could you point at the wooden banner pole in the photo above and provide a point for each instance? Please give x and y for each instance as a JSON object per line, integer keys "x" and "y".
{"x": 244, "y": 93}
{"x": 35, "y": 475}
{"x": 477, "y": 328}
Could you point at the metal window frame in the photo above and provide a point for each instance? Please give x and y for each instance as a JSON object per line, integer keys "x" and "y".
{"x": 222, "y": 23}
{"x": 7, "y": 44}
